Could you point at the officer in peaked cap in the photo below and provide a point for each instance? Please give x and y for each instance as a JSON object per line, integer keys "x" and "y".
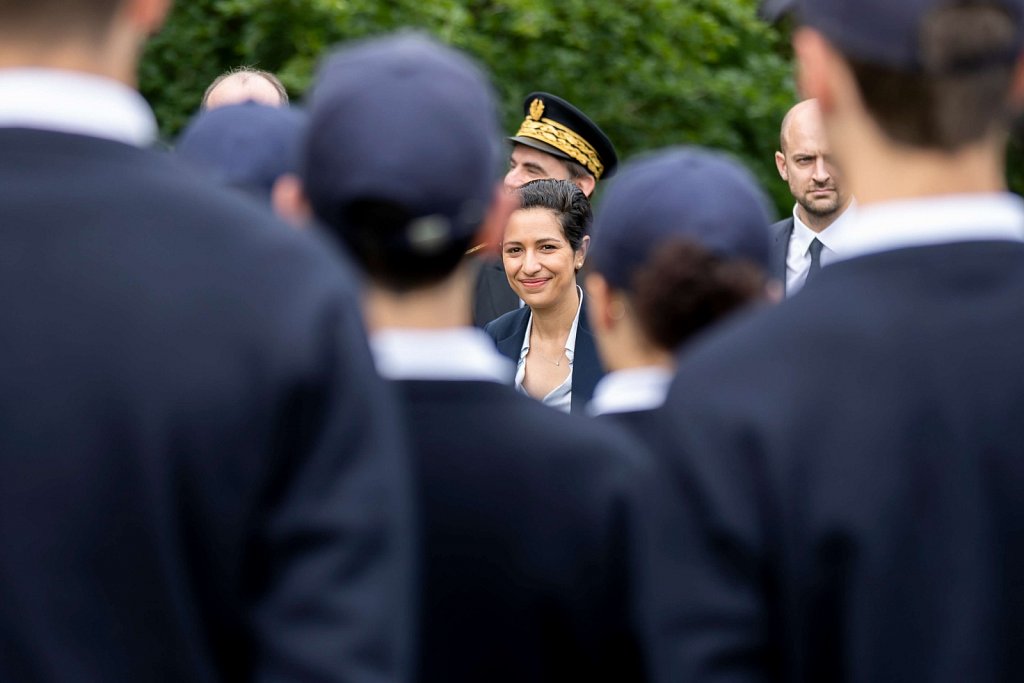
{"x": 556, "y": 140}
{"x": 581, "y": 151}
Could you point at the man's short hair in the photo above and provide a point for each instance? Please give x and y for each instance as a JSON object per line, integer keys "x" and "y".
{"x": 245, "y": 72}
{"x": 56, "y": 18}
{"x": 960, "y": 94}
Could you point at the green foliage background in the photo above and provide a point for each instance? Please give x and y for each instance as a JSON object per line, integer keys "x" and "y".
{"x": 651, "y": 72}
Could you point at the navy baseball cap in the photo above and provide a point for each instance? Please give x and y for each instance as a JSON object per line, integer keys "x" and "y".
{"x": 555, "y": 126}
{"x": 888, "y": 32}
{"x": 406, "y": 121}
{"x": 247, "y": 146}
{"x": 680, "y": 192}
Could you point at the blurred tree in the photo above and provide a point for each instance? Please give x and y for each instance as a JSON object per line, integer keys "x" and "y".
{"x": 651, "y": 72}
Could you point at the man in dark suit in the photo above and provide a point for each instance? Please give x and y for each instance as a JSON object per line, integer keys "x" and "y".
{"x": 816, "y": 232}
{"x": 849, "y": 464}
{"x": 525, "y": 513}
{"x": 199, "y": 479}
{"x": 557, "y": 141}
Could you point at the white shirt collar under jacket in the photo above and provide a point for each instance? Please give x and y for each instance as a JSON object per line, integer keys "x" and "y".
{"x": 77, "y": 103}
{"x": 560, "y": 397}
{"x": 833, "y": 240}
{"x": 457, "y": 353}
{"x": 630, "y": 391}
{"x": 936, "y": 220}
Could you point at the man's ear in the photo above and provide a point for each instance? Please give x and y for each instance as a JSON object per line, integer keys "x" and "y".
{"x": 1017, "y": 89}
{"x": 289, "y": 201}
{"x": 587, "y": 183}
{"x": 815, "y": 59}
{"x": 780, "y": 164}
{"x": 492, "y": 229}
{"x": 147, "y": 16}
{"x": 599, "y": 302}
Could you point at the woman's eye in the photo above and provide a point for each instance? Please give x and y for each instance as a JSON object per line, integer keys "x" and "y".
{"x": 512, "y": 250}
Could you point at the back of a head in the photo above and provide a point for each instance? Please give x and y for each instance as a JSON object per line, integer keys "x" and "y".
{"x": 684, "y": 234}
{"x": 244, "y": 146}
{"x": 933, "y": 74}
{"x": 402, "y": 156}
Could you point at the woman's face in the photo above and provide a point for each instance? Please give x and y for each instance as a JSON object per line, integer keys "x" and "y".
{"x": 539, "y": 262}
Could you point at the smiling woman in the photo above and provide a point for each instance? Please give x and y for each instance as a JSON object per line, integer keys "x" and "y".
{"x": 544, "y": 248}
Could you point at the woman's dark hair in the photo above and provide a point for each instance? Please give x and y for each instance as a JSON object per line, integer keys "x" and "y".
{"x": 684, "y": 288}
{"x": 567, "y": 201}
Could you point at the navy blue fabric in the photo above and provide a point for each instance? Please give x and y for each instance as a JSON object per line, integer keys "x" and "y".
{"x": 508, "y": 333}
{"x": 678, "y": 193}
{"x": 882, "y": 31}
{"x": 850, "y": 480}
{"x": 527, "y": 519}
{"x": 246, "y": 146}
{"x": 780, "y": 234}
{"x": 406, "y": 121}
{"x": 493, "y": 297}
{"x": 566, "y": 115}
{"x": 199, "y": 473}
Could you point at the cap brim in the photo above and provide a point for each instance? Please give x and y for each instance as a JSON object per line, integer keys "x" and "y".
{"x": 541, "y": 146}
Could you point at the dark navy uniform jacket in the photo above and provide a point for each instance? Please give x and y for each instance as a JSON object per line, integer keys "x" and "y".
{"x": 528, "y": 520}
{"x": 199, "y": 479}
{"x": 508, "y": 333}
{"x": 850, "y": 478}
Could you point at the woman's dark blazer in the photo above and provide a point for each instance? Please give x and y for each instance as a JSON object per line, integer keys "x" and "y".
{"x": 508, "y": 332}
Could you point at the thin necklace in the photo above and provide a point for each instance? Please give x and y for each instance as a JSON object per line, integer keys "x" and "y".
{"x": 556, "y": 363}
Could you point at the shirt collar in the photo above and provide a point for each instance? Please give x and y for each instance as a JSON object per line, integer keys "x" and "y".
{"x": 629, "y": 391}
{"x": 834, "y": 237}
{"x": 77, "y": 103}
{"x": 936, "y": 220}
{"x": 570, "y": 341}
{"x": 458, "y": 353}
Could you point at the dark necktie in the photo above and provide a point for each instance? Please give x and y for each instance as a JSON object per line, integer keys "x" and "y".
{"x": 816, "y": 247}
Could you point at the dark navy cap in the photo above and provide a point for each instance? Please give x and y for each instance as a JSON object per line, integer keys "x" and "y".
{"x": 248, "y": 146}
{"x": 679, "y": 192}
{"x": 406, "y": 121}
{"x": 554, "y": 126}
{"x": 888, "y": 32}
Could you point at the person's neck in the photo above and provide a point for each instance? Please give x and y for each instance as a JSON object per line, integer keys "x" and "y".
{"x": 115, "y": 60}
{"x": 885, "y": 173}
{"x": 441, "y": 306}
{"x": 554, "y": 323}
{"x": 818, "y": 222}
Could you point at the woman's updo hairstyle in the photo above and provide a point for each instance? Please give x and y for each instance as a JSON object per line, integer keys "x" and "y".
{"x": 568, "y": 202}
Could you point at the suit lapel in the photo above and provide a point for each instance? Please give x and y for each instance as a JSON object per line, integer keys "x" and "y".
{"x": 780, "y": 247}
{"x": 586, "y": 367}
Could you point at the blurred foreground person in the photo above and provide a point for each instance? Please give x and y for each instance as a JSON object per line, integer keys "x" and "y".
{"x": 850, "y": 462}
{"x": 543, "y": 248}
{"x": 245, "y": 84}
{"x": 681, "y": 243}
{"x": 556, "y": 141}
{"x": 525, "y": 528}
{"x": 199, "y": 479}
{"x": 815, "y": 235}
{"x": 248, "y": 147}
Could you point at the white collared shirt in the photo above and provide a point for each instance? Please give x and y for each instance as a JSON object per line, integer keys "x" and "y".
{"x": 936, "y": 220}
{"x": 77, "y": 103}
{"x": 560, "y": 397}
{"x": 630, "y": 391}
{"x": 457, "y": 353}
{"x": 833, "y": 240}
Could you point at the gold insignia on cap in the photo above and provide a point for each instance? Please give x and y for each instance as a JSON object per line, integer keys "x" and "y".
{"x": 537, "y": 109}
{"x": 563, "y": 139}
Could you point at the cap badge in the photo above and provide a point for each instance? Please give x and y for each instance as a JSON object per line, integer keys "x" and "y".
{"x": 537, "y": 109}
